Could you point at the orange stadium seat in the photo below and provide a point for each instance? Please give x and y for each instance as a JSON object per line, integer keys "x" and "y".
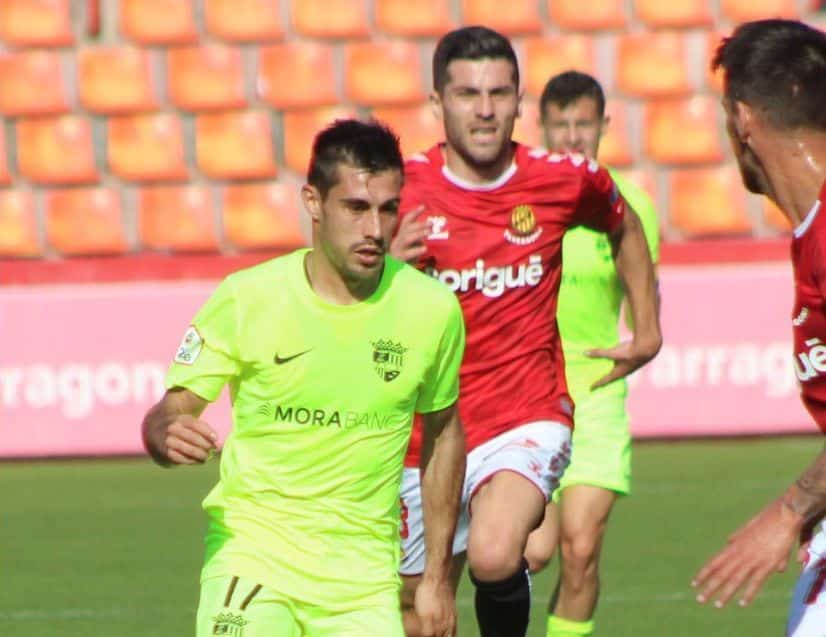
{"x": 674, "y": 14}
{"x": 653, "y": 65}
{"x": 31, "y": 83}
{"x": 36, "y": 22}
{"x": 301, "y": 127}
{"x": 595, "y": 15}
{"x": 235, "y": 145}
{"x": 713, "y": 78}
{"x": 417, "y": 126}
{"x": 549, "y": 56}
{"x": 158, "y": 21}
{"x": 645, "y": 179}
{"x": 85, "y": 221}
{"x": 147, "y": 147}
{"x": 262, "y": 215}
{"x": 244, "y": 20}
{"x": 330, "y": 18}
{"x": 305, "y": 67}
{"x": 116, "y": 80}
{"x": 205, "y": 77}
{"x": 615, "y": 147}
{"x": 683, "y": 131}
{"x": 774, "y": 218}
{"x": 383, "y": 73}
{"x": 526, "y": 128}
{"x": 56, "y": 150}
{"x": 18, "y": 224}
{"x": 5, "y": 176}
{"x": 177, "y": 218}
{"x": 708, "y": 201}
{"x": 414, "y": 19}
{"x": 518, "y": 16}
{"x": 738, "y": 11}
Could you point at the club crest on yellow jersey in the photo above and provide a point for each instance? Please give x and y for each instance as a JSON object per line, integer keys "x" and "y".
{"x": 388, "y": 359}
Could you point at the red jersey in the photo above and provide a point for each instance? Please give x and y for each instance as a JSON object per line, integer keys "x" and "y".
{"x": 499, "y": 247}
{"x": 809, "y": 316}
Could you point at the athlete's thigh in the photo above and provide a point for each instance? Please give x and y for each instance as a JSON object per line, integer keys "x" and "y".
{"x": 807, "y": 615}
{"x": 380, "y": 617}
{"x": 542, "y": 541}
{"x": 585, "y": 510}
{"x": 234, "y": 606}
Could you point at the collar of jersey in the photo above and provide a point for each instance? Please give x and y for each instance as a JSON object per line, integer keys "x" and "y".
{"x": 808, "y": 221}
{"x": 488, "y": 185}
{"x": 310, "y": 294}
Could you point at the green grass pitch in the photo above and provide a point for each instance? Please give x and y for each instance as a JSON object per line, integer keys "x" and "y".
{"x": 113, "y": 547}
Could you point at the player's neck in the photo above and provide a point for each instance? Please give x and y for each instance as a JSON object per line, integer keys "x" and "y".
{"x": 796, "y": 169}
{"x": 331, "y": 286}
{"x": 466, "y": 170}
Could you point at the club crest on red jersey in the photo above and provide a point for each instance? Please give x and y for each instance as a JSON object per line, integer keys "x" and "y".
{"x": 523, "y": 229}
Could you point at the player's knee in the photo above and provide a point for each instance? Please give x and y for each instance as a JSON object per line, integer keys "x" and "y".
{"x": 493, "y": 557}
{"x": 580, "y": 554}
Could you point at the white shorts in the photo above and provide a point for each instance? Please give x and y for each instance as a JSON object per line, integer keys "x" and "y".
{"x": 539, "y": 451}
{"x": 807, "y": 616}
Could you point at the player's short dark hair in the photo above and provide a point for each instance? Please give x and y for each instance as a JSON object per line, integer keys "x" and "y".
{"x": 568, "y": 87}
{"x": 778, "y": 67}
{"x": 369, "y": 145}
{"x": 471, "y": 43}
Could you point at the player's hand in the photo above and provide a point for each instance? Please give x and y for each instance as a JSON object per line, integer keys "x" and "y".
{"x": 436, "y": 607}
{"x": 628, "y": 357}
{"x": 189, "y": 440}
{"x": 408, "y": 244}
{"x": 753, "y": 552}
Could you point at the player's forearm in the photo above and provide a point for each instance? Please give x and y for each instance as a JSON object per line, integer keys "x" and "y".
{"x": 443, "y": 473}
{"x": 807, "y": 496}
{"x": 636, "y": 271}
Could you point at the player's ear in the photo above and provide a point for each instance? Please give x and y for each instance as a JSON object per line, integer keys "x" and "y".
{"x": 312, "y": 200}
{"x": 743, "y": 119}
{"x": 436, "y": 105}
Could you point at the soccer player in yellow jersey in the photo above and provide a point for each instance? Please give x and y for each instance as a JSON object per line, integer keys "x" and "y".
{"x": 327, "y": 353}
{"x": 572, "y": 111}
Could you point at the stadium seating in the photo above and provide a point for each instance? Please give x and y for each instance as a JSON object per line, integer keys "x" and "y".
{"x": 684, "y": 131}
{"x": 31, "y": 83}
{"x": 615, "y": 147}
{"x": 417, "y": 127}
{"x": 85, "y": 221}
{"x": 5, "y": 176}
{"x": 158, "y": 21}
{"x": 56, "y": 150}
{"x": 644, "y": 179}
{"x": 306, "y": 67}
{"x": 300, "y": 128}
{"x": 674, "y": 14}
{"x": 738, "y": 11}
{"x": 517, "y": 17}
{"x": 18, "y": 224}
{"x": 206, "y": 77}
{"x": 591, "y": 16}
{"x": 383, "y": 73}
{"x": 262, "y": 215}
{"x": 243, "y": 20}
{"x": 708, "y": 202}
{"x": 652, "y": 65}
{"x": 177, "y": 218}
{"x": 116, "y": 80}
{"x": 330, "y": 18}
{"x": 714, "y": 79}
{"x": 526, "y": 128}
{"x": 773, "y": 217}
{"x": 36, "y": 22}
{"x": 235, "y": 145}
{"x": 546, "y": 57}
{"x": 414, "y": 19}
{"x": 147, "y": 147}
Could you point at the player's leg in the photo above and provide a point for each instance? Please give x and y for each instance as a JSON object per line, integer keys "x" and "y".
{"x": 509, "y": 494}
{"x": 235, "y": 606}
{"x": 543, "y": 541}
{"x": 807, "y": 615}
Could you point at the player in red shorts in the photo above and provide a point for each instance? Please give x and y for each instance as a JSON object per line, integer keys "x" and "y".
{"x": 486, "y": 216}
{"x": 775, "y": 103}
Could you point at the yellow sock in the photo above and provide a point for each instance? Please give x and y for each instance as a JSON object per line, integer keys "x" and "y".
{"x": 560, "y": 627}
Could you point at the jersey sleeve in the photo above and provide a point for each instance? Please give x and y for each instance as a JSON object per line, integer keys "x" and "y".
{"x": 599, "y": 206}
{"x": 441, "y": 385}
{"x": 207, "y": 357}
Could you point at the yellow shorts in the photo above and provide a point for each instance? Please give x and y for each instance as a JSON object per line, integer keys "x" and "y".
{"x": 240, "y": 607}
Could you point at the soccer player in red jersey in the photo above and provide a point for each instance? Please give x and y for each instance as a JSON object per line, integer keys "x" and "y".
{"x": 775, "y": 103}
{"x": 486, "y": 215}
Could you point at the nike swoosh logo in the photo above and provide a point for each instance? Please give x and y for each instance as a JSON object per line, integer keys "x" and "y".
{"x": 280, "y": 361}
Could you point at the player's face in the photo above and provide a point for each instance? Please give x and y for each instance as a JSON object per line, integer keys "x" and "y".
{"x": 751, "y": 168}
{"x": 576, "y": 128}
{"x": 353, "y": 225}
{"x": 478, "y": 106}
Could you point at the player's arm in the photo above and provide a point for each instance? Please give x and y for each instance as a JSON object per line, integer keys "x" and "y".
{"x": 442, "y": 468}
{"x": 762, "y": 546}
{"x": 173, "y": 432}
{"x": 408, "y": 243}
